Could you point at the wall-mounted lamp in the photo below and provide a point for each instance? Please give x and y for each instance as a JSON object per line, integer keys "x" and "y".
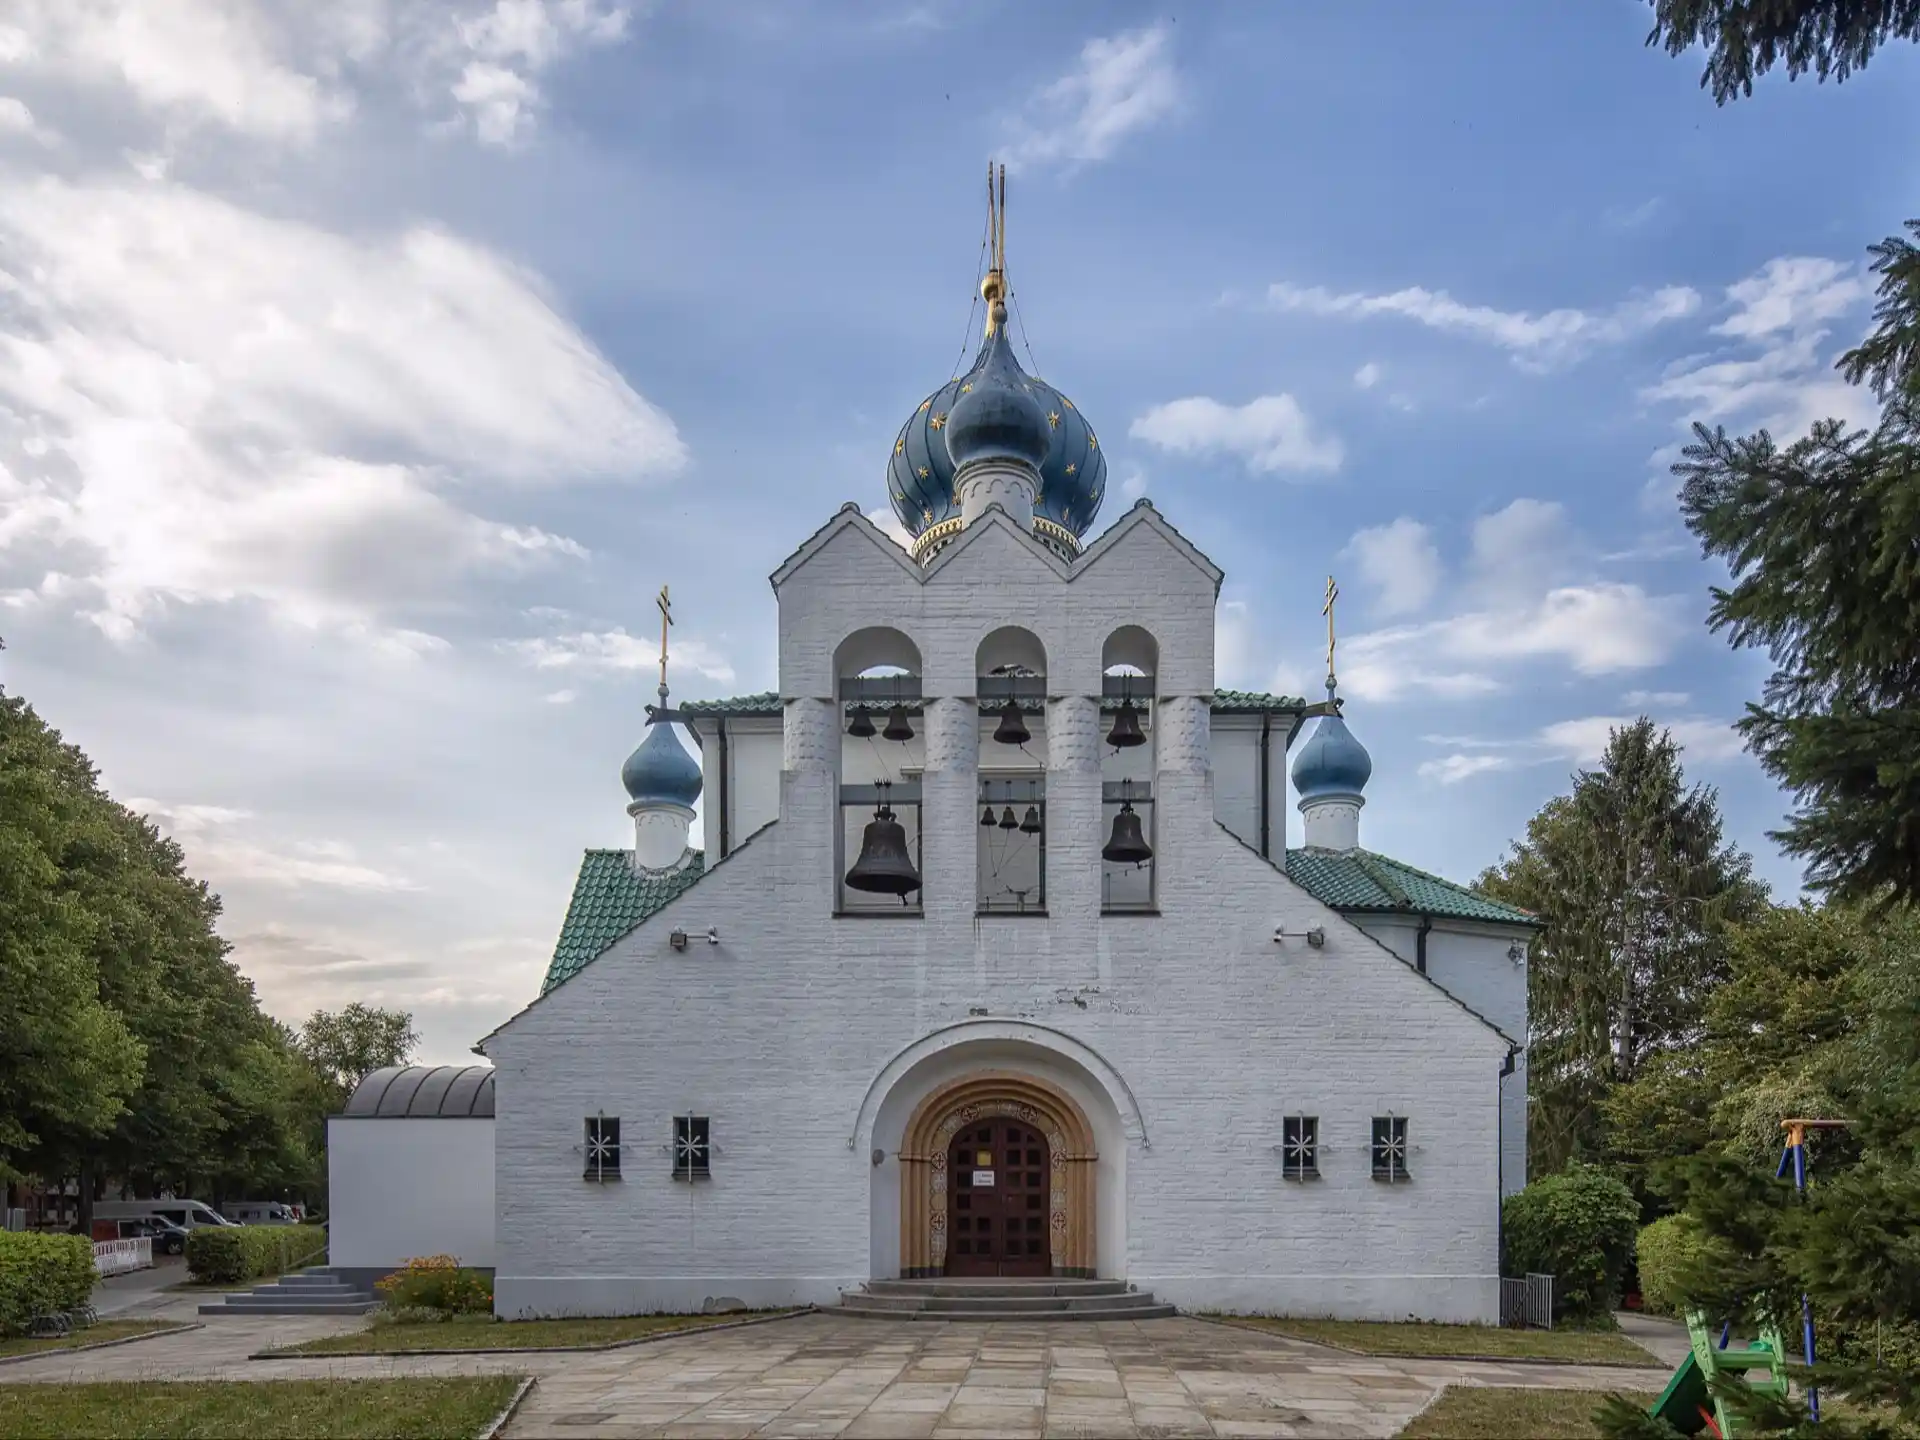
{"x": 879, "y": 1157}
{"x": 713, "y": 935}
{"x": 678, "y": 939}
{"x": 1315, "y": 937}
{"x": 1517, "y": 953}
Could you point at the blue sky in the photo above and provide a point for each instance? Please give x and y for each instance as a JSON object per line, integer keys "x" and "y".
{"x": 366, "y": 371}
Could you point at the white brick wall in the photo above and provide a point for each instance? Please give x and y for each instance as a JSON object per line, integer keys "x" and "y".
{"x": 780, "y": 1032}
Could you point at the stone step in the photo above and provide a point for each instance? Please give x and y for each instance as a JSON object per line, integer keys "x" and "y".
{"x": 1147, "y": 1311}
{"x": 329, "y": 1286}
{"x": 976, "y": 1288}
{"x": 322, "y": 1278}
{"x": 289, "y": 1305}
{"x": 1029, "y": 1304}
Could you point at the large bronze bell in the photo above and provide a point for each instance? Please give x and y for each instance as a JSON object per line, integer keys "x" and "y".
{"x": 897, "y": 726}
{"x": 1031, "y": 825}
{"x": 1128, "y": 843}
{"x": 884, "y": 866}
{"x": 861, "y": 726}
{"x": 1007, "y": 822}
{"x": 1126, "y": 731}
{"x": 1012, "y": 729}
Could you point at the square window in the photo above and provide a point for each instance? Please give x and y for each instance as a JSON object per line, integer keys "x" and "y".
{"x": 691, "y": 1147}
{"x": 1390, "y": 1148}
{"x": 1300, "y": 1147}
{"x": 603, "y": 1148}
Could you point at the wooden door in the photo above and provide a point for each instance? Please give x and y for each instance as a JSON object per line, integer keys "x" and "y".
{"x": 997, "y": 1221}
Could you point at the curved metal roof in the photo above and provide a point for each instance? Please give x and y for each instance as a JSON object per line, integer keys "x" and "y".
{"x": 416, "y": 1092}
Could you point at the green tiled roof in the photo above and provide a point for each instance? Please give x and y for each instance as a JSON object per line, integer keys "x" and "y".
{"x": 767, "y": 702}
{"x": 1362, "y": 880}
{"x": 609, "y": 899}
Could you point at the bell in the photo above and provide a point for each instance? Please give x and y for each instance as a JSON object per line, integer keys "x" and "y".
{"x": 987, "y": 822}
{"x": 1007, "y": 822}
{"x": 861, "y": 726}
{"x": 1012, "y": 729}
{"x": 897, "y": 726}
{"x": 1127, "y": 845}
{"x": 1126, "y": 728}
{"x": 1031, "y": 825}
{"x": 884, "y": 867}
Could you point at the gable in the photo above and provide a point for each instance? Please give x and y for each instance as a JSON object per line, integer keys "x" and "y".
{"x": 1361, "y": 880}
{"x": 610, "y": 897}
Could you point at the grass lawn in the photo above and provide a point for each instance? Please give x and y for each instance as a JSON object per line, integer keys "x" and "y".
{"x": 94, "y": 1334}
{"x": 1479, "y": 1342}
{"x": 449, "y": 1408}
{"x": 1490, "y": 1413}
{"x": 488, "y": 1334}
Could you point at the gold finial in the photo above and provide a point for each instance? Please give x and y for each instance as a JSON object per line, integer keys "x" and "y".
{"x": 1333, "y": 593}
{"x": 993, "y": 289}
{"x": 666, "y": 619}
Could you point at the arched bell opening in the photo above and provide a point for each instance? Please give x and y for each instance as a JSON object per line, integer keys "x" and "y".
{"x": 1010, "y": 669}
{"x": 1129, "y": 662}
{"x": 882, "y": 754}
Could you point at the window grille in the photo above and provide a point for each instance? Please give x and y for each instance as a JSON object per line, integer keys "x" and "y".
{"x": 603, "y": 1148}
{"x": 1300, "y": 1147}
{"x": 692, "y": 1147}
{"x": 1390, "y": 1148}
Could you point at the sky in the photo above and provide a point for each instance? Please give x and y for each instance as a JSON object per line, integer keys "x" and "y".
{"x": 366, "y": 368}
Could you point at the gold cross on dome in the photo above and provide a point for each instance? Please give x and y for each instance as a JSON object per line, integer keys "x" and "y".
{"x": 666, "y": 619}
{"x": 1333, "y": 593}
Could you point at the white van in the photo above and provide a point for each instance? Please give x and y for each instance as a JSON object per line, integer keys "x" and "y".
{"x": 260, "y": 1212}
{"x": 184, "y": 1213}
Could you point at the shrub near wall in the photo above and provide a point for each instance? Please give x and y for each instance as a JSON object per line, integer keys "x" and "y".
{"x": 1666, "y": 1250}
{"x": 42, "y": 1275}
{"x": 1577, "y": 1226}
{"x": 228, "y": 1254}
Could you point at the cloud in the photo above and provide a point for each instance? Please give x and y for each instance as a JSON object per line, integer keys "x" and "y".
{"x": 1123, "y": 84}
{"x": 1662, "y": 699}
{"x": 1630, "y": 217}
{"x": 1367, "y": 376}
{"x": 1400, "y": 562}
{"x": 501, "y": 53}
{"x": 219, "y": 850}
{"x": 1776, "y": 371}
{"x": 888, "y": 524}
{"x": 1452, "y": 769}
{"x": 17, "y": 119}
{"x": 1536, "y": 341}
{"x": 1581, "y": 741}
{"x": 1134, "y": 486}
{"x": 200, "y": 404}
{"x": 1269, "y": 433}
{"x": 613, "y": 652}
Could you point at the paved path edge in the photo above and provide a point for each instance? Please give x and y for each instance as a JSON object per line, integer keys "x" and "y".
{"x": 511, "y": 1408}
{"x": 1652, "y": 1362}
{"x": 290, "y": 1353}
{"x": 98, "y": 1344}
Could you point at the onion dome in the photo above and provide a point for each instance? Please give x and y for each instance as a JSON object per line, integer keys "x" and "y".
{"x": 1331, "y": 764}
{"x": 660, "y": 771}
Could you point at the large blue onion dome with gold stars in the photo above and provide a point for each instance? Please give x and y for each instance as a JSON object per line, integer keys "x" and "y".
{"x": 1073, "y": 476}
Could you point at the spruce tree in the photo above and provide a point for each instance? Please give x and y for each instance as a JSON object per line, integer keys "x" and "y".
{"x": 1747, "y": 38}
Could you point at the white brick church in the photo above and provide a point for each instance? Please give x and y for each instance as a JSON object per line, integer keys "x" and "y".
{"x": 993, "y": 961}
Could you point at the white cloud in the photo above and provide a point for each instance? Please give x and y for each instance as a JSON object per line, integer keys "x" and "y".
{"x": 888, "y": 524}
{"x": 1134, "y": 486}
{"x": 609, "y": 652}
{"x": 1585, "y": 740}
{"x": 1657, "y": 699}
{"x": 1537, "y": 341}
{"x": 1367, "y": 376}
{"x": 502, "y": 52}
{"x": 561, "y": 697}
{"x": 17, "y": 119}
{"x": 1400, "y": 562}
{"x": 1795, "y": 294}
{"x": 1452, "y": 769}
{"x": 1269, "y": 433}
{"x": 1122, "y": 85}
{"x": 209, "y": 405}
{"x": 218, "y": 850}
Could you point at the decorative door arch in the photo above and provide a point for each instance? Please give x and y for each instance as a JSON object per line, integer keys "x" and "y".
{"x": 926, "y": 1182}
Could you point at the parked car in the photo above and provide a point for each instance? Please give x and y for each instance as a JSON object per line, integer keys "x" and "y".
{"x": 168, "y": 1238}
{"x": 261, "y": 1212}
{"x": 187, "y": 1214}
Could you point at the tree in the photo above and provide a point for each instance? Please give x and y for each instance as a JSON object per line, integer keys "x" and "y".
{"x": 1819, "y": 538}
{"x": 1746, "y": 38}
{"x": 346, "y": 1046}
{"x": 1635, "y": 886}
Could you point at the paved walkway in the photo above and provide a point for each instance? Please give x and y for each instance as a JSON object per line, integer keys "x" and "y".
{"x": 833, "y": 1375}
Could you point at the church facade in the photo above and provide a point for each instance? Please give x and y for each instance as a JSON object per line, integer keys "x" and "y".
{"x": 993, "y": 961}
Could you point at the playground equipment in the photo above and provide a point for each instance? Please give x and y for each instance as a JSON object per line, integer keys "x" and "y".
{"x": 1688, "y": 1403}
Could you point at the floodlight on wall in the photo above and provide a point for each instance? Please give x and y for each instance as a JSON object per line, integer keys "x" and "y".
{"x": 1517, "y": 953}
{"x": 678, "y": 939}
{"x": 713, "y": 935}
{"x": 1316, "y": 937}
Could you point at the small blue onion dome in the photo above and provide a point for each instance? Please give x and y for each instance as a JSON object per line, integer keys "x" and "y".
{"x": 1331, "y": 763}
{"x": 1073, "y": 468}
{"x": 997, "y": 417}
{"x": 660, "y": 771}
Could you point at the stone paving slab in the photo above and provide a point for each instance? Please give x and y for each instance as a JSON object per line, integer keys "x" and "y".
{"x": 821, "y": 1375}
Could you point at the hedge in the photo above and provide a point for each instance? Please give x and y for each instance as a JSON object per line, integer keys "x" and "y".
{"x": 42, "y": 1275}
{"x": 1666, "y": 1250}
{"x": 1577, "y": 1226}
{"x": 227, "y": 1254}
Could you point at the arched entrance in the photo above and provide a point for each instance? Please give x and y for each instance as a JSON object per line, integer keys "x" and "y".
{"x": 1018, "y": 1115}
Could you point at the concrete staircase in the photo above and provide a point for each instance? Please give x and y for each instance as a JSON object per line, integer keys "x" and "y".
{"x": 1003, "y": 1300}
{"x": 308, "y": 1292}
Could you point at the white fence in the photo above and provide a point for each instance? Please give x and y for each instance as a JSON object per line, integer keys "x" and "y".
{"x": 1528, "y": 1303}
{"x": 116, "y": 1257}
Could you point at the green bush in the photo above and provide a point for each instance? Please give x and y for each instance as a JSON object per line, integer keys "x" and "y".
{"x": 229, "y": 1254}
{"x": 1577, "y": 1226}
{"x": 439, "y": 1284}
{"x": 1666, "y": 1250}
{"x": 42, "y": 1275}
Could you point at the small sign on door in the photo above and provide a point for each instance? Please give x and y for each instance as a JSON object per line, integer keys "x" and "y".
{"x": 983, "y": 1179}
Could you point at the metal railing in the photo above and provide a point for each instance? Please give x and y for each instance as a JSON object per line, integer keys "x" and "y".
{"x": 1527, "y": 1304}
{"x": 116, "y": 1257}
